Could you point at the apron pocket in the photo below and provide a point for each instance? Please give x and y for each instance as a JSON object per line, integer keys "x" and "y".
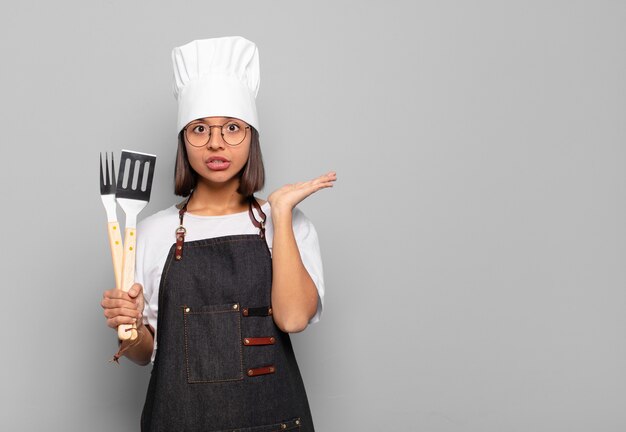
{"x": 213, "y": 350}
{"x": 286, "y": 425}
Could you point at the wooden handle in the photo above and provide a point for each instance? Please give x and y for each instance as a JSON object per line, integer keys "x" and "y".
{"x": 115, "y": 242}
{"x": 128, "y": 278}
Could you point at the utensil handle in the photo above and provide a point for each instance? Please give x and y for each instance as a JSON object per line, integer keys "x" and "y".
{"x": 117, "y": 251}
{"x": 128, "y": 278}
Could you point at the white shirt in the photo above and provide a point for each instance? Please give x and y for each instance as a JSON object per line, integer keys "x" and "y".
{"x": 156, "y": 234}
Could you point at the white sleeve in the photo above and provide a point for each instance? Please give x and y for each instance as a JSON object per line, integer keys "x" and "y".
{"x": 308, "y": 245}
{"x": 140, "y": 255}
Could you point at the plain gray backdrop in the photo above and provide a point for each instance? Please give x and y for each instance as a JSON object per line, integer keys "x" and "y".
{"x": 473, "y": 245}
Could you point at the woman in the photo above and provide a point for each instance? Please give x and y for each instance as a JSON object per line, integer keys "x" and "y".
{"x": 226, "y": 276}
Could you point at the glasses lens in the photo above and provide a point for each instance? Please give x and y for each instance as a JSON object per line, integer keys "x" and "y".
{"x": 233, "y": 132}
{"x": 198, "y": 134}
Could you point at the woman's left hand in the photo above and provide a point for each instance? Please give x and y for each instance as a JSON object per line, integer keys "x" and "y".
{"x": 288, "y": 196}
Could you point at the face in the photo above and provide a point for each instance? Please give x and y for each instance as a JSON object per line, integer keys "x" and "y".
{"x": 217, "y": 162}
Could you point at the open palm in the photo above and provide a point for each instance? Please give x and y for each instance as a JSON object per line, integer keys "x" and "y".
{"x": 288, "y": 196}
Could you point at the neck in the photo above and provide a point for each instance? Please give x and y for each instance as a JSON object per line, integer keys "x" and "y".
{"x": 214, "y": 200}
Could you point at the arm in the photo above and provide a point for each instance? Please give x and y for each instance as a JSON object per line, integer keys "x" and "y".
{"x": 126, "y": 308}
{"x": 141, "y": 353}
{"x": 294, "y": 294}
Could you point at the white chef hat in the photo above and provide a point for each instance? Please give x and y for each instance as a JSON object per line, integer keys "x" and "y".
{"x": 216, "y": 77}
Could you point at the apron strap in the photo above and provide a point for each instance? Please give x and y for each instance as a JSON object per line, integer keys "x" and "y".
{"x": 258, "y": 224}
{"x": 181, "y": 231}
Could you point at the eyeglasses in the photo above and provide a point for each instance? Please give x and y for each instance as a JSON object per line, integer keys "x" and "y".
{"x": 198, "y": 133}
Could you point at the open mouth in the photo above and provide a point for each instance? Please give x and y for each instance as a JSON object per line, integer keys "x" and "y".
{"x": 218, "y": 163}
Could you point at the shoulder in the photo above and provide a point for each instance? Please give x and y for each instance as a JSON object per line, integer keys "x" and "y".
{"x": 159, "y": 221}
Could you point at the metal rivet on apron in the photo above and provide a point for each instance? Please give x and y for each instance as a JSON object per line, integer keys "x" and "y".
{"x": 283, "y": 426}
{"x": 187, "y": 309}
{"x": 235, "y": 306}
{"x": 250, "y": 372}
{"x": 272, "y": 340}
{"x": 246, "y": 341}
{"x": 269, "y": 311}
{"x": 298, "y": 421}
{"x": 179, "y": 247}
{"x": 271, "y": 369}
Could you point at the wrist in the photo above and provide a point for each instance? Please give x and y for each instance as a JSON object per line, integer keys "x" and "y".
{"x": 281, "y": 215}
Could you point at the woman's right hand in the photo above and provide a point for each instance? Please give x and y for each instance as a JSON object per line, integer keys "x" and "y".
{"x": 123, "y": 307}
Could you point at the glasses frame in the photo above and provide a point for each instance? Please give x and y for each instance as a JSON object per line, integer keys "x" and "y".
{"x": 245, "y": 133}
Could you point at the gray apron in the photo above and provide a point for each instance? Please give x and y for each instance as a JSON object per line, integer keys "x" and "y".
{"x": 222, "y": 364}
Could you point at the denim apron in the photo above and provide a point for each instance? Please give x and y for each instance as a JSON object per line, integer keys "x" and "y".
{"x": 222, "y": 364}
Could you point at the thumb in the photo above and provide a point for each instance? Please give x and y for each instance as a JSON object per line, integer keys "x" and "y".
{"x": 135, "y": 290}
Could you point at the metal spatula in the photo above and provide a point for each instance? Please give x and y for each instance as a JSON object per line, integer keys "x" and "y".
{"x": 107, "y": 193}
{"x": 134, "y": 184}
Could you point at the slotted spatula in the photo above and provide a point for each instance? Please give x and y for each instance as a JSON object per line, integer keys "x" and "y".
{"x": 134, "y": 184}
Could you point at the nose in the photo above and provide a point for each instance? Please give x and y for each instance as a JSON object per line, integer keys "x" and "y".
{"x": 216, "y": 141}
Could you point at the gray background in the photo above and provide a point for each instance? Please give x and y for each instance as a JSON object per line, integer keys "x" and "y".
{"x": 473, "y": 245}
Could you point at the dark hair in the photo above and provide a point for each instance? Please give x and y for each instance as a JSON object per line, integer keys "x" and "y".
{"x": 251, "y": 176}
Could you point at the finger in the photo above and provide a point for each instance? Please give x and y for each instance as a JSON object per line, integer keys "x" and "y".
{"x": 127, "y": 318}
{"x": 117, "y": 303}
{"x": 330, "y": 174}
{"x": 118, "y": 294}
{"x": 122, "y": 311}
{"x": 119, "y": 320}
{"x": 135, "y": 290}
{"x": 321, "y": 183}
{"x": 323, "y": 186}
{"x": 325, "y": 178}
